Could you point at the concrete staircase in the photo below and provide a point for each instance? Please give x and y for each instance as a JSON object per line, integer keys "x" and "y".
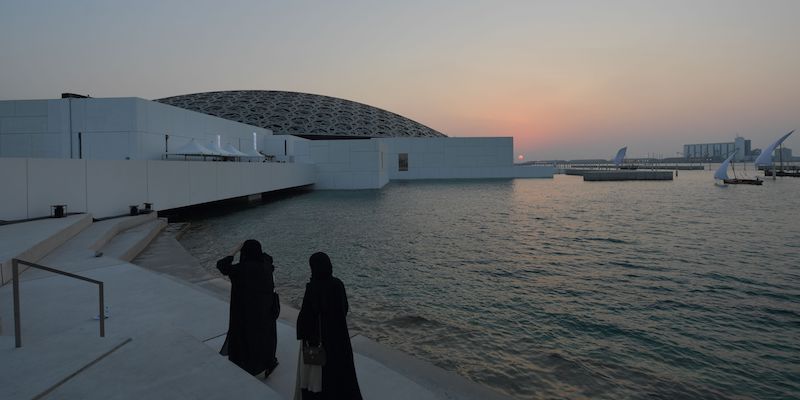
{"x": 102, "y": 243}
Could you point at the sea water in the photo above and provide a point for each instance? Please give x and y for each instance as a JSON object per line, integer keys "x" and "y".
{"x": 553, "y": 288}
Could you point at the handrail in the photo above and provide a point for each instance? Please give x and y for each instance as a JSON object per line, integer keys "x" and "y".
{"x": 15, "y": 275}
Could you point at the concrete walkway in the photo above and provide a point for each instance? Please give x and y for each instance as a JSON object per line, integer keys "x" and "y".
{"x": 163, "y": 334}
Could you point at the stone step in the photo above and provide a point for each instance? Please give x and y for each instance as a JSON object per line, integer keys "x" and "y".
{"x": 128, "y": 244}
{"x": 81, "y": 252}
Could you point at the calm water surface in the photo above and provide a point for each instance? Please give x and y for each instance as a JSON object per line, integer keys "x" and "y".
{"x": 557, "y": 288}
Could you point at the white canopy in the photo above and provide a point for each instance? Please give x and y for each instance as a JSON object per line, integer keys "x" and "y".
{"x": 253, "y": 153}
{"x": 218, "y": 151}
{"x": 765, "y": 158}
{"x": 234, "y": 151}
{"x": 192, "y": 149}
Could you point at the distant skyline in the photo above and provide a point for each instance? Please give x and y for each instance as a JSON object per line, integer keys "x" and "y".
{"x": 567, "y": 80}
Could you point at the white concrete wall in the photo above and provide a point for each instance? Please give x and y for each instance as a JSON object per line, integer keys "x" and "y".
{"x": 113, "y": 185}
{"x": 457, "y": 158}
{"x": 54, "y": 181}
{"x": 287, "y": 148}
{"x": 34, "y": 128}
{"x": 371, "y": 163}
{"x": 107, "y": 187}
{"x": 111, "y": 128}
{"x": 14, "y": 199}
{"x": 349, "y": 164}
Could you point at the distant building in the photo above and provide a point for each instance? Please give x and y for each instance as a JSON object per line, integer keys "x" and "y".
{"x": 782, "y": 154}
{"x": 719, "y": 151}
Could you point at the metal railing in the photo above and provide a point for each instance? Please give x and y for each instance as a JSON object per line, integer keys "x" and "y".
{"x": 15, "y": 275}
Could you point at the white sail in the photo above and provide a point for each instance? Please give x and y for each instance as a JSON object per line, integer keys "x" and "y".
{"x": 722, "y": 172}
{"x": 620, "y": 156}
{"x": 765, "y": 158}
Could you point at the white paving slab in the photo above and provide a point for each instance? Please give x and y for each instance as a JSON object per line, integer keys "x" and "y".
{"x": 182, "y": 368}
{"x": 33, "y": 369}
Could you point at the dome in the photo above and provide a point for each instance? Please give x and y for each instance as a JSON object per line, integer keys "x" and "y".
{"x": 302, "y": 114}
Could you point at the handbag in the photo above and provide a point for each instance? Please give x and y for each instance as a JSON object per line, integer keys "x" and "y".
{"x": 314, "y": 354}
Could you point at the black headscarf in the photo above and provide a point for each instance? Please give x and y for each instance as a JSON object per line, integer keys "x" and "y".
{"x": 321, "y": 268}
{"x": 251, "y": 251}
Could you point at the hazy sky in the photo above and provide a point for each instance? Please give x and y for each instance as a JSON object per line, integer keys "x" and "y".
{"x": 567, "y": 79}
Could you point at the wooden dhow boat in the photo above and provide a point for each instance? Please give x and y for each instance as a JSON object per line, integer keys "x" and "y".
{"x": 722, "y": 174}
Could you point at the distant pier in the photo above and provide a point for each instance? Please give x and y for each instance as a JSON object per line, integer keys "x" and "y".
{"x": 656, "y": 166}
{"x": 621, "y": 175}
{"x": 787, "y": 170}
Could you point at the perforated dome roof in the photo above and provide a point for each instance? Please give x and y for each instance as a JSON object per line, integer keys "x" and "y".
{"x": 293, "y": 113}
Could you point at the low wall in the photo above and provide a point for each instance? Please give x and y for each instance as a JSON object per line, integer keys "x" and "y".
{"x": 107, "y": 187}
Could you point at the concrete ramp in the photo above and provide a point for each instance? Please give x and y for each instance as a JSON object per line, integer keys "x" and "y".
{"x": 32, "y": 240}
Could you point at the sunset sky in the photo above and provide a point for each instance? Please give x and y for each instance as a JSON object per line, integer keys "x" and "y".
{"x": 567, "y": 79}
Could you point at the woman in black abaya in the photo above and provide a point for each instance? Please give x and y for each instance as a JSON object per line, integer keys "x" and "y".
{"x": 322, "y": 317}
{"x": 252, "y": 333}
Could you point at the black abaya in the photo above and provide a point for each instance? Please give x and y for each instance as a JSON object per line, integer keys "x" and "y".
{"x": 324, "y": 311}
{"x": 251, "y": 340}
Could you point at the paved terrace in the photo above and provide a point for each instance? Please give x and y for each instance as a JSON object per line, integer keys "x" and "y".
{"x": 167, "y": 321}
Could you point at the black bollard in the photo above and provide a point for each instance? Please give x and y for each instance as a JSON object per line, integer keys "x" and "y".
{"x": 58, "y": 211}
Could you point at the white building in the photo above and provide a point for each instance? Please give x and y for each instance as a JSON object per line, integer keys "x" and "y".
{"x": 719, "y": 151}
{"x": 100, "y": 155}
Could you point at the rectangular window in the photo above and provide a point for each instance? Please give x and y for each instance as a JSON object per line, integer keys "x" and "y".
{"x": 402, "y": 159}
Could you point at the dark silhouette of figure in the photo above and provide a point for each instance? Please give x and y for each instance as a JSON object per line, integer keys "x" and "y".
{"x": 252, "y": 333}
{"x": 323, "y": 311}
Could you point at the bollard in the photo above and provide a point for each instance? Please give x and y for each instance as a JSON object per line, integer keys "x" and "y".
{"x": 58, "y": 210}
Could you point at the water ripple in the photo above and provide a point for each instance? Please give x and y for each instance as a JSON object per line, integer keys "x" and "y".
{"x": 556, "y": 288}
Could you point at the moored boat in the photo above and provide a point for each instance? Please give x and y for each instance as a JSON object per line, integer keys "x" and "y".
{"x": 722, "y": 174}
{"x": 765, "y": 158}
{"x": 737, "y": 181}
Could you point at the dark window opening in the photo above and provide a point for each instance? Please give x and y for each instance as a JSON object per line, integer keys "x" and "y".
{"x": 402, "y": 162}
